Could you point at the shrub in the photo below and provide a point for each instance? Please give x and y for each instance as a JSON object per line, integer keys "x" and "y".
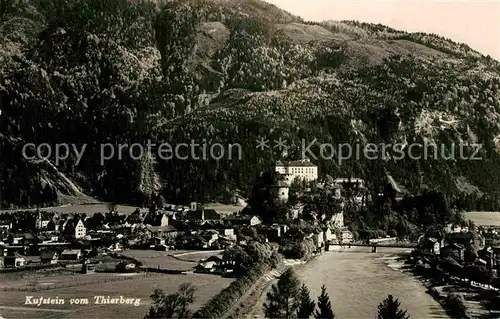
{"x": 218, "y": 305}
{"x": 433, "y": 292}
{"x": 299, "y": 249}
{"x": 455, "y": 304}
{"x": 392, "y": 233}
{"x": 496, "y": 283}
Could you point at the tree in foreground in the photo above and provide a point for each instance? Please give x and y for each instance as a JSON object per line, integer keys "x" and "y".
{"x": 456, "y": 306}
{"x": 390, "y": 309}
{"x": 172, "y": 306}
{"x": 283, "y": 299}
{"x": 324, "y": 310}
{"x": 306, "y": 304}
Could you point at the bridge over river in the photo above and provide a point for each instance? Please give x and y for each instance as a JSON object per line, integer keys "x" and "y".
{"x": 374, "y": 246}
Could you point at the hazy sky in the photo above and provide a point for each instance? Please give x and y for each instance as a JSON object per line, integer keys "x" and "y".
{"x": 474, "y": 22}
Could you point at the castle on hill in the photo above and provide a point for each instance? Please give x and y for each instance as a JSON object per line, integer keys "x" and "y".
{"x": 303, "y": 169}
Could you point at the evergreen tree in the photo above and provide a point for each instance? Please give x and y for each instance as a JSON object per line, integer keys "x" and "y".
{"x": 306, "y": 304}
{"x": 389, "y": 309}
{"x": 282, "y": 300}
{"x": 324, "y": 310}
{"x": 175, "y": 305}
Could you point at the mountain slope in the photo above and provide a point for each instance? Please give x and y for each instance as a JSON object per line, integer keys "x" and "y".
{"x": 91, "y": 73}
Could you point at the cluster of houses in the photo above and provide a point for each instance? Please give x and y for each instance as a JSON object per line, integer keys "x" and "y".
{"x": 59, "y": 238}
{"x": 50, "y": 238}
{"x": 53, "y": 237}
{"x": 464, "y": 245}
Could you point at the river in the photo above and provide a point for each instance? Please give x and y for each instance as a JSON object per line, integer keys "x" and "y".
{"x": 357, "y": 280}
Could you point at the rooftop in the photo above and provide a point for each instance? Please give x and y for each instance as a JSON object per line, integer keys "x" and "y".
{"x": 164, "y": 229}
{"x": 70, "y": 252}
{"x": 48, "y": 254}
{"x": 349, "y": 180}
{"x": 207, "y": 214}
{"x": 295, "y": 163}
{"x": 280, "y": 184}
{"x": 454, "y": 246}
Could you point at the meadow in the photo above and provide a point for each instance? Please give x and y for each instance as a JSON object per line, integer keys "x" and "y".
{"x": 92, "y": 208}
{"x": 13, "y": 302}
{"x": 484, "y": 218}
{"x": 160, "y": 259}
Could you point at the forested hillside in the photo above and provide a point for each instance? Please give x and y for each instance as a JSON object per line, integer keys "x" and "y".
{"x": 94, "y": 72}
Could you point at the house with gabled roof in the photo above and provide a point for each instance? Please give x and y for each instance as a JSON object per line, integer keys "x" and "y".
{"x": 430, "y": 245}
{"x": 156, "y": 219}
{"x": 163, "y": 231}
{"x": 454, "y": 250}
{"x": 202, "y": 215}
{"x": 6, "y": 221}
{"x": 71, "y": 254}
{"x": 10, "y": 258}
{"x": 74, "y": 227}
{"x": 49, "y": 257}
{"x": 206, "y": 267}
{"x": 249, "y": 220}
{"x": 43, "y": 219}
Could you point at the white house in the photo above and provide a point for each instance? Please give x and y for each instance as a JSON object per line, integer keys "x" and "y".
{"x": 347, "y": 236}
{"x": 210, "y": 237}
{"x": 42, "y": 221}
{"x": 228, "y": 232}
{"x": 80, "y": 230}
{"x": 5, "y": 224}
{"x": 430, "y": 245}
{"x": 338, "y": 219}
{"x": 250, "y": 220}
{"x": 254, "y": 220}
{"x": 328, "y": 235}
{"x": 450, "y": 228}
{"x": 302, "y": 169}
{"x": 320, "y": 237}
{"x": 9, "y": 258}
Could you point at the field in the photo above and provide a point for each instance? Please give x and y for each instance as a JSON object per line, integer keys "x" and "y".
{"x": 196, "y": 256}
{"x": 173, "y": 259}
{"x": 91, "y": 209}
{"x": 160, "y": 259}
{"x": 140, "y": 287}
{"x": 226, "y": 209}
{"x": 60, "y": 276}
{"x": 484, "y": 218}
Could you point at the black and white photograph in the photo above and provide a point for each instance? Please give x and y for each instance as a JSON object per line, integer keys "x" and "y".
{"x": 255, "y": 159}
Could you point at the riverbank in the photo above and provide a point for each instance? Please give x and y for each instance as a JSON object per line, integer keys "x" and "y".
{"x": 400, "y": 263}
{"x": 472, "y": 296}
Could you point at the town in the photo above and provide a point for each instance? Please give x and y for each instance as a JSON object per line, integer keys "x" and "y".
{"x": 291, "y": 215}
{"x": 37, "y": 238}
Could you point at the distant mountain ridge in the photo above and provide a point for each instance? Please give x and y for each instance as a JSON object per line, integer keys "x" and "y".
{"x": 93, "y": 72}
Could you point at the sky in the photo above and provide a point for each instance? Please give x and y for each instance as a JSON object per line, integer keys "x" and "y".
{"x": 474, "y": 22}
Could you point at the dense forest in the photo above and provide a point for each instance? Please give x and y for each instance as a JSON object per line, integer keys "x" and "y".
{"x": 91, "y": 72}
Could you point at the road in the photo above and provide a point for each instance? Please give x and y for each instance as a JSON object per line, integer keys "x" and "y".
{"x": 258, "y": 286}
{"x": 33, "y": 309}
